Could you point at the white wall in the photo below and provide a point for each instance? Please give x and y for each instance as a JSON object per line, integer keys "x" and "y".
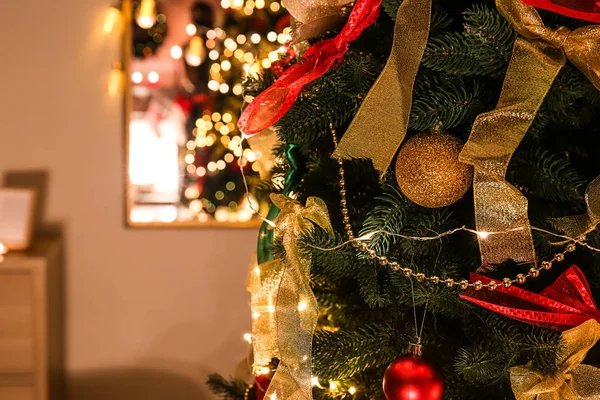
{"x": 148, "y": 312}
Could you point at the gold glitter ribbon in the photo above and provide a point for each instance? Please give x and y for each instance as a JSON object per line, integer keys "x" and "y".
{"x": 580, "y": 225}
{"x": 537, "y": 58}
{"x": 572, "y": 380}
{"x": 296, "y": 307}
{"x": 381, "y": 123}
{"x": 314, "y": 17}
{"x": 262, "y": 283}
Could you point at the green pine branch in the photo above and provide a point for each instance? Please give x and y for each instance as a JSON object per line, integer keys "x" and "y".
{"x": 227, "y": 389}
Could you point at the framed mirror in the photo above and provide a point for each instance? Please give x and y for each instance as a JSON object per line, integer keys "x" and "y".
{"x": 184, "y": 61}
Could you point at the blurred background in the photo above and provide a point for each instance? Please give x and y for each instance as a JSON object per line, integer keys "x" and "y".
{"x": 147, "y": 313}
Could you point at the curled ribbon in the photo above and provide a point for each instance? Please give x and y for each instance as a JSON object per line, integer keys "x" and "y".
{"x": 572, "y": 380}
{"x": 567, "y": 303}
{"x": 537, "y": 58}
{"x": 390, "y": 98}
{"x": 296, "y": 307}
{"x": 588, "y": 10}
{"x": 262, "y": 283}
{"x": 580, "y": 225}
{"x": 272, "y": 104}
{"x": 315, "y": 17}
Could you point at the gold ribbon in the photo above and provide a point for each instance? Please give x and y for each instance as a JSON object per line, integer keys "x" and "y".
{"x": 262, "y": 145}
{"x": 262, "y": 283}
{"x": 580, "y": 225}
{"x": 382, "y": 121}
{"x": 314, "y": 17}
{"x": 296, "y": 306}
{"x": 537, "y": 58}
{"x": 572, "y": 381}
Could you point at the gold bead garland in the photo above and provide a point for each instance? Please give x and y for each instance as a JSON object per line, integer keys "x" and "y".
{"x": 463, "y": 284}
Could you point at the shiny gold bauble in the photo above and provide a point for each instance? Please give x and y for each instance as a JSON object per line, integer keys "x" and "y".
{"x": 428, "y": 171}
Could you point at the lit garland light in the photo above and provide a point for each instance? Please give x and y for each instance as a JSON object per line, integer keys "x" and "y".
{"x": 146, "y": 14}
{"x": 112, "y": 18}
{"x": 116, "y": 80}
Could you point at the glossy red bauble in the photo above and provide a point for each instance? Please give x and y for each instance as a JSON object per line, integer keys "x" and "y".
{"x": 412, "y": 377}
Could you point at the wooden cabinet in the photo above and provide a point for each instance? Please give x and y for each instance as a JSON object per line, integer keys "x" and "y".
{"x": 31, "y": 323}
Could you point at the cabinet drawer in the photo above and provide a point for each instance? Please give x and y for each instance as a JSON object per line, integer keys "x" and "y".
{"x": 16, "y": 323}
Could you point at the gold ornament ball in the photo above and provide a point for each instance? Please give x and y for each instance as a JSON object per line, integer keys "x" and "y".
{"x": 428, "y": 171}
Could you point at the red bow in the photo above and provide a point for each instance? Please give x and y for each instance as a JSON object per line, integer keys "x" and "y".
{"x": 272, "y": 104}
{"x": 588, "y": 10}
{"x": 565, "y": 304}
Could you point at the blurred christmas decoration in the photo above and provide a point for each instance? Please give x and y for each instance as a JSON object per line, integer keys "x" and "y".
{"x": 112, "y": 19}
{"x": 565, "y": 304}
{"x": 149, "y": 28}
{"x": 412, "y": 377}
{"x": 145, "y": 15}
{"x": 116, "y": 80}
{"x": 428, "y": 171}
{"x": 195, "y": 52}
{"x": 572, "y": 380}
{"x": 588, "y": 10}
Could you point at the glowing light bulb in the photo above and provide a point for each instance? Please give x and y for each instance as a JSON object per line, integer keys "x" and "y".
{"x": 115, "y": 80}
{"x": 248, "y": 337}
{"x": 191, "y": 29}
{"x": 3, "y": 249}
{"x": 315, "y": 381}
{"x": 137, "y": 77}
{"x": 176, "y": 52}
{"x": 146, "y": 15}
{"x": 265, "y": 370}
{"x": 302, "y": 305}
{"x": 332, "y": 385}
{"x": 195, "y": 54}
{"x": 112, "y": 18}
{"x": 255, "y": 38}
{"x": 153, "y": 77}
{"x": 352, "y": 390}
{"x": 483, "y": 235}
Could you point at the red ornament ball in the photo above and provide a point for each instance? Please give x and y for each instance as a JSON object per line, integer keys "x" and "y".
{"x": 412, "y": 377}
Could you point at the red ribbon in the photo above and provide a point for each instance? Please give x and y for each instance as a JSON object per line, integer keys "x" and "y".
{"x": 588, "y": 10}
{"x": 566, "y": 304}
{"x": 272, "y": 104}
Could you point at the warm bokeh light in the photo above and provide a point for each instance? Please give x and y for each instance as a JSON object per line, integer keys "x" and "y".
{"x": 137, "y": 77}
{"x": 146, "y": 14}
{"x": 176, "y": 52}
{"x": 191, "y": 29}
{"x": 112, "y": 18}
{"x": 153, "y": 77}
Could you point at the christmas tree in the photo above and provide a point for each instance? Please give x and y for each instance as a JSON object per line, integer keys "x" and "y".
{"x": 492, "y": 282}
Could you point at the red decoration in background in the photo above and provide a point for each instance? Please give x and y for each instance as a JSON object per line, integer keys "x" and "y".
{"x": 587, "y": 10}
{"x": 413, "y": 377}
{"x": 565, "y": 304}
{"x": 261, "y": 384}
{"x": 268, "y": 107}
{"x": 278, "y": 66}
